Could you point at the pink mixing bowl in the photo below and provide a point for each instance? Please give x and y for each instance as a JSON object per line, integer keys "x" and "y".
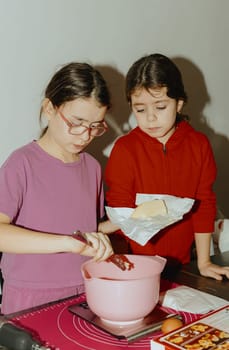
{"x": 123, "y": 296}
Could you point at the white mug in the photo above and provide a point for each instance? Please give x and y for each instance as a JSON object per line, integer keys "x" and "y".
{"x": 222, "y": 231}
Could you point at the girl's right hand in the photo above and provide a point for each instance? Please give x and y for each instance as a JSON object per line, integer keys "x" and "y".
{"x": 98, "y": 246}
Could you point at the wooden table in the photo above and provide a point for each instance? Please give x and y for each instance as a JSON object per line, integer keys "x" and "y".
{"x": 190, "y": 276}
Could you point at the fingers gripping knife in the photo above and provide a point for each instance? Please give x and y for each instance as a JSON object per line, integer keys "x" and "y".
{"x": 120, "y": 260}
{"x": 13, "y": 337}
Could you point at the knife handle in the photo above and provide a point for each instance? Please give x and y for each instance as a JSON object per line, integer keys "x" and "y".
{"x": 17, "y": 338}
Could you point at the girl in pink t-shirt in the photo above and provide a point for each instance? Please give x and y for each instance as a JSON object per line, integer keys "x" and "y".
{"x": 48, "y": 189}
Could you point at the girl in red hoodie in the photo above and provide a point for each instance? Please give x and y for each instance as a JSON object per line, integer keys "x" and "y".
{"x": 165, "y": 155}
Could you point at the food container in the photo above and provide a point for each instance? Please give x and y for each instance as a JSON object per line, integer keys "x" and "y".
{"x": 118, "y": 296}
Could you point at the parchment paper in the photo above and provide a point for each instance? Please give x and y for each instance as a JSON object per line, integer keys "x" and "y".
{"x": 142, "y": 230}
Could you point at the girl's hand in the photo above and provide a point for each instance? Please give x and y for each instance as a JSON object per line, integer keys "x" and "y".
{"x": 97, "y": 245}
{"x": 214, "y": 271}
{"x": 102, "y": 245}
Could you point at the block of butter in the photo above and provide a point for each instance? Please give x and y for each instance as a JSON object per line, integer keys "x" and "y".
{"x": 150, "y": 208}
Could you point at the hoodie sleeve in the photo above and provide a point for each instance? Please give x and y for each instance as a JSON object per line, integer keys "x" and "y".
{"x": 119, "y": 177}
{"x": 205, "y": 213}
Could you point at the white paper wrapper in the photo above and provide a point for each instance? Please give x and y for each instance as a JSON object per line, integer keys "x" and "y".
{"x": 187, "y": 299}
{"x": 141, "y": 230}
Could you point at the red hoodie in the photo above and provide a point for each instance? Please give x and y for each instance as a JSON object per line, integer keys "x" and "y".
{"x": 184, "y": 167}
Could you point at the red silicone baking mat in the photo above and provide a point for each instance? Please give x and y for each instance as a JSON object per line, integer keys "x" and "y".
{"x": 61, "y": 330}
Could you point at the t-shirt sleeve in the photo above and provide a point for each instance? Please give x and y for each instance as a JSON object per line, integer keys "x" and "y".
{"x": 11, "y": 187}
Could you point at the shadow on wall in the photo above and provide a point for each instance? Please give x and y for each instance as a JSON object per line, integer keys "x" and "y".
{"x": 117, "y": 116}
{"x": 198, "y": 97}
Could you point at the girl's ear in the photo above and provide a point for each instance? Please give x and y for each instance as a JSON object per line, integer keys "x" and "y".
{"x": 180, "y": 104}
{"x": 48, "y": 108}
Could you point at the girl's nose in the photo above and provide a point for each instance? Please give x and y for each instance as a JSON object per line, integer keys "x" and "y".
{"x": 151, "y": 115}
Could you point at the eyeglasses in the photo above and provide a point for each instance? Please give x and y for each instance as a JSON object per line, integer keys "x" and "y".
{"x": 94, "y": 129}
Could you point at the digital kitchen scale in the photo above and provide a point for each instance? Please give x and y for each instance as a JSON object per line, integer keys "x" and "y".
{"x": 129, "y": 331}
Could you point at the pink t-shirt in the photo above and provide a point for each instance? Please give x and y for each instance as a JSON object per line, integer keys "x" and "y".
{"x": 39, "y": 192}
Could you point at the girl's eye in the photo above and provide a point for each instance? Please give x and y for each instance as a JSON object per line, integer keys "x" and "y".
{"x": 161, "y": 107}
{"x": 140, "y": 110}
{"x": 96, "y": 125}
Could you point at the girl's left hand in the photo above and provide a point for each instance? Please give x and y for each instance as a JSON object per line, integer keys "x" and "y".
{"x": 101, "y": 244}
{"x": 214, "y": 271}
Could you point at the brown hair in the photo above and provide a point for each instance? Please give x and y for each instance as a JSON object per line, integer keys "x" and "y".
{"x": 77, "y": 80}
{"x": 153, "y": 71}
